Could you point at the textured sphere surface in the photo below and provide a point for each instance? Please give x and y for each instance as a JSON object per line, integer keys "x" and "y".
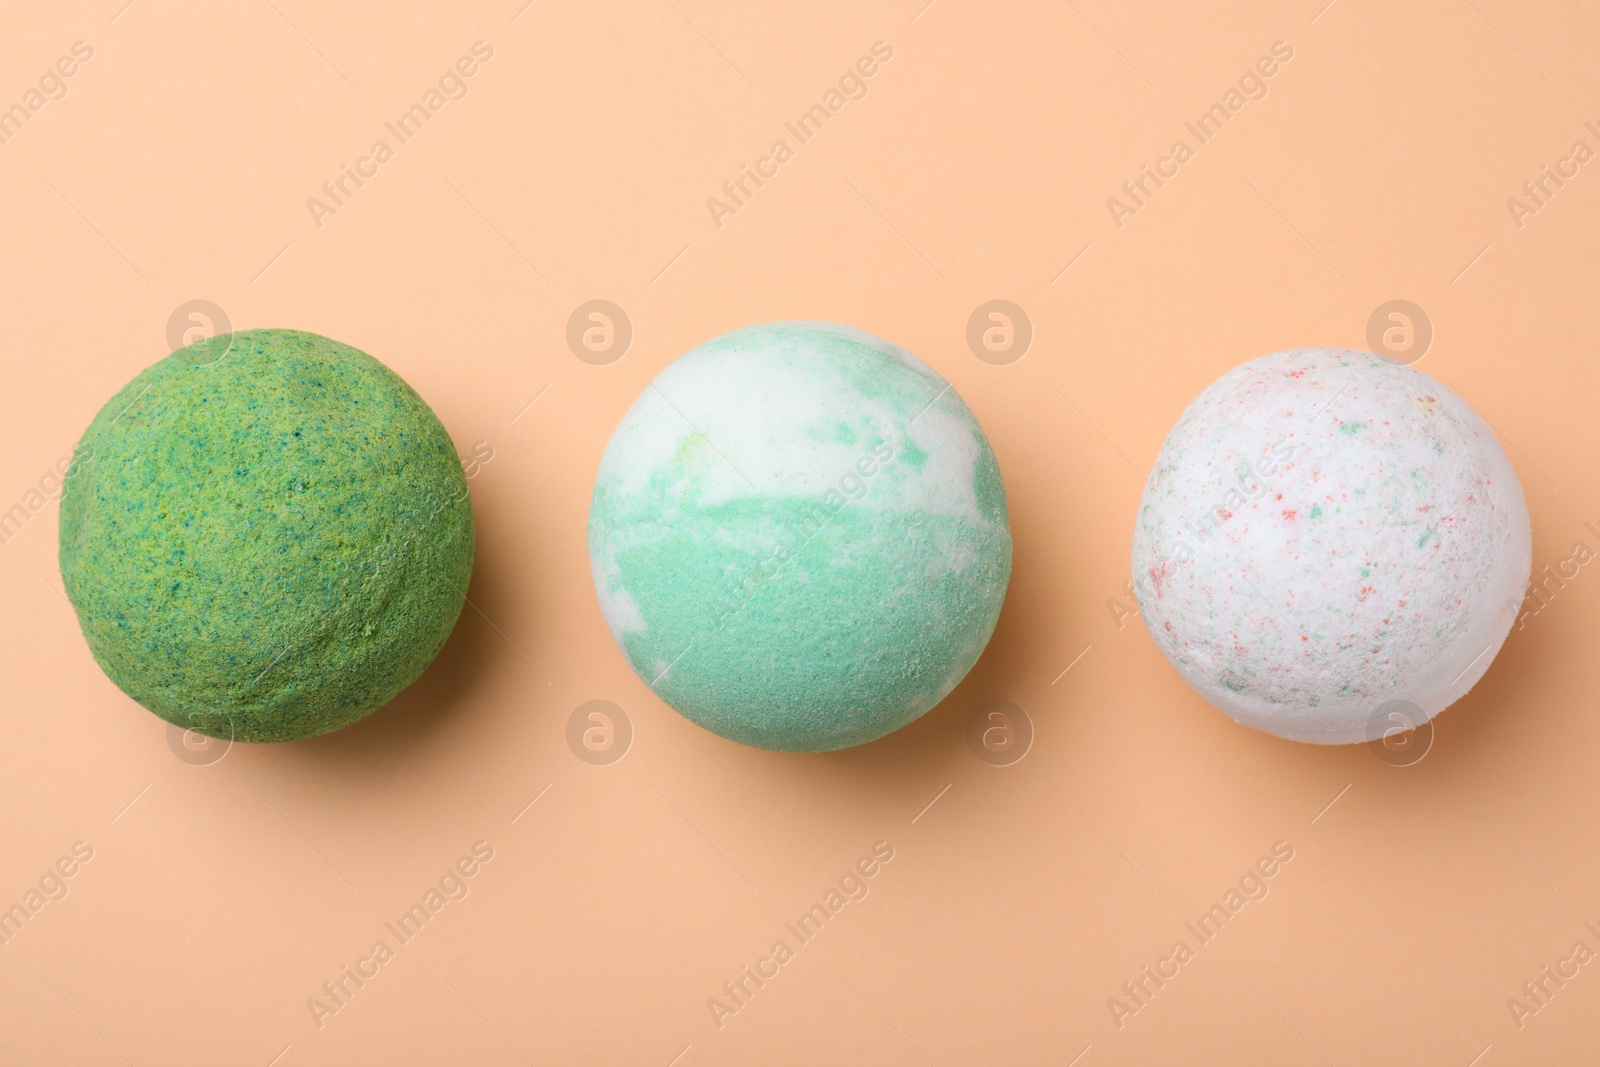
{"x": 267, "y": 536}
{"x": 799, "y": 536}
{"x": 1326, "y": 532}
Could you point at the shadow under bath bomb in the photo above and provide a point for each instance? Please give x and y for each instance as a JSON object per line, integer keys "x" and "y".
{"x": 799, "y": 536}
{"x": 266, "y": 537}
{"x": 1327, "y": 533}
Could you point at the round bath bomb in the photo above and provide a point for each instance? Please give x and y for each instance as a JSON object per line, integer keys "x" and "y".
{"x": 1326, "y": 533}
{"x": 266, "y": 536}
{"x": 799, "y": 536}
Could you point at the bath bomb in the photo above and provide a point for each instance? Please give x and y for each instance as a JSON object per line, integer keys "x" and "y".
{"x": 799, "y": 536}
{"x": 1326, "y": 532}
{"x": 266, "y": 536}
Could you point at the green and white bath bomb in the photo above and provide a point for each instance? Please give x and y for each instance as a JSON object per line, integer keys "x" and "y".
{"x": 1327, "y": 535}
{"x": 799, "y": 536}
{"x": 266, "y": 536}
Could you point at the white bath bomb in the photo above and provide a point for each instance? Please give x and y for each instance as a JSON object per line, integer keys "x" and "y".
{"x": 1326, "y": 532}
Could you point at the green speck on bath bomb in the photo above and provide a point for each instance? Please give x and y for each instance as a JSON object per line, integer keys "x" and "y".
{"x": 266, "y": 536}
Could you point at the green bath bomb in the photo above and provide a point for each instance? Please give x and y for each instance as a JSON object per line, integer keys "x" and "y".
{"x": 799, "y": 536}
{"x": 266, "y": 536}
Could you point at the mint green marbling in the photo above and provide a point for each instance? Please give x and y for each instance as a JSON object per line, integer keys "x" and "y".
{"x": 799, "y": 537}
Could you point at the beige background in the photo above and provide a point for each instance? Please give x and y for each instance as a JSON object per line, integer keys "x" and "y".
{"x": 221, "y": 895}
